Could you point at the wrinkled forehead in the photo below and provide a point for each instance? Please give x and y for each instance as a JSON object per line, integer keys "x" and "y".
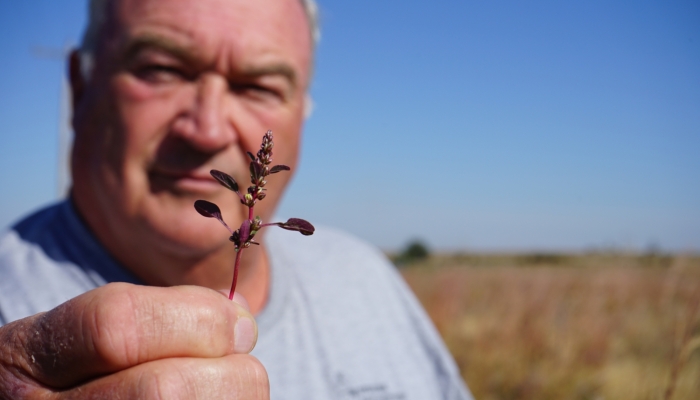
{"x": 227, "y": 29}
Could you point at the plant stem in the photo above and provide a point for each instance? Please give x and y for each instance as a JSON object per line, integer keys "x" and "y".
{"x": 237, "y": 263}
{"x": 235, "y": 273}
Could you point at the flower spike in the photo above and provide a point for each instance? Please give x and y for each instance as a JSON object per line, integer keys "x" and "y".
{"x": 259, "y": 169}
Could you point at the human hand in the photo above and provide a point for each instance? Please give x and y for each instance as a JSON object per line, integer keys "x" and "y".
{"x": 128, "y": 341}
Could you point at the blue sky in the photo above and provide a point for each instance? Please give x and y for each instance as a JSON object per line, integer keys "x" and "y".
{"x": 500, "y": 125}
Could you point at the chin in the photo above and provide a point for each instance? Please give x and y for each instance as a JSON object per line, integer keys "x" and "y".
{"x": 194, "y": 243}
{"x": 180, "y": 230}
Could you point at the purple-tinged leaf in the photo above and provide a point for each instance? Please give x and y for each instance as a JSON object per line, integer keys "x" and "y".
{"x": 252, "y": 157}
{"x": 210, "y": 210}
{"x": 299, "y": 225}
{"x": 225, "y": 180}
{"x": 278, "y": 168}
{"x": 256, "y": 171}
{"x": 207, "y": 209}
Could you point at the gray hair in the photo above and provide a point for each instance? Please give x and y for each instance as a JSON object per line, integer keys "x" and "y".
{"x": 97, "y": 17}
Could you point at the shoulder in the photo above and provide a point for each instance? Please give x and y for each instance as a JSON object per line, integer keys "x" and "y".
{"x": 364, "y": 314}
{"x": 36, "y": 273}
{"x": 328, "y": 251}
{"x": 325, "y": 240}
{"x": 34, "y": 227}
{"x": 22, "y": 260}
{"x": 339, "y": 272}
{"x": 26, "y": 239}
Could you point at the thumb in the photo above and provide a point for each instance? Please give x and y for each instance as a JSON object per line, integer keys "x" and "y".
{"x": 237, "y": 298}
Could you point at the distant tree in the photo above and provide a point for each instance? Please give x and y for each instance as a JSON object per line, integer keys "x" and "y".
{"x": 416, "y": 250}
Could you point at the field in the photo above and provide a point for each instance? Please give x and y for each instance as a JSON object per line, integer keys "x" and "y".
{"x": 550, "y": 326}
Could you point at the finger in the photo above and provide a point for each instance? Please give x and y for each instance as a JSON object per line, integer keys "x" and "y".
{"x": 120, "y": 325}
{"x": 237, "y": 297}
{"x": 231, "y": 377}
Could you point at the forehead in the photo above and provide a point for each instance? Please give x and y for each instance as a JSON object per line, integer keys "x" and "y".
{"x": 228, "y": 29}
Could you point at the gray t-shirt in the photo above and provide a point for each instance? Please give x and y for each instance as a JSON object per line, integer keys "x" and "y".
{"x": 340, "y": 322}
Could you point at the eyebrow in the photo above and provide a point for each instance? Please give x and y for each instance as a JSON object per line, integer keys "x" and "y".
{"x": 150, "y": 41}
{"x": 189, "y": 54}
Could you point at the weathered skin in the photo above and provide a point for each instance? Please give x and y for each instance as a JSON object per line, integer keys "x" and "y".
{"x": 178, "y": 88}
{"x": 127, "y": 341}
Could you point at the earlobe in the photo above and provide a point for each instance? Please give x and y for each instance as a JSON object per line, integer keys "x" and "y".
{"x": 76, "y": 77}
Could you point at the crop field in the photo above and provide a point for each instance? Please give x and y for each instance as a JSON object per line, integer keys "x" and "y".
{"x": 556, "y": 326}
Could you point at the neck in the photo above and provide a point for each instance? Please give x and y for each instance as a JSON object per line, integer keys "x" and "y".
{"x": 158, "y": 266}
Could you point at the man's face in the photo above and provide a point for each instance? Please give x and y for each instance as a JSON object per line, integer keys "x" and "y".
{"x": 181, "y": 87}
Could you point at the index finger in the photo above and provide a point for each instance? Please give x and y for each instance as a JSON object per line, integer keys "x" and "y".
{"x": 121, "y": 325}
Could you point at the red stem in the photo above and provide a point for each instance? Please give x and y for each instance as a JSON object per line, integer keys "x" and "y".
{"x": 235, "y": 273}
{"x": 238, "y": 260}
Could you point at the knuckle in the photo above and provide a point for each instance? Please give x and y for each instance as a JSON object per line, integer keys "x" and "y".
{"x": 127, "y": 325}
{"x": 166, "y": 385}
{"x": 240, "y": 377}
{"x": 109, "y": 325}
{"x": 211, "y": 316}
{"x": 251, "y": 371}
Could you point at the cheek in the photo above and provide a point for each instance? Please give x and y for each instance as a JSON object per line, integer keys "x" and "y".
{"x": 145, "y": 115}
{"x": 285, "y": 123}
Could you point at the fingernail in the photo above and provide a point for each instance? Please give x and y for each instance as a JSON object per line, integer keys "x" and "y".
{"x": 245, "y": 335}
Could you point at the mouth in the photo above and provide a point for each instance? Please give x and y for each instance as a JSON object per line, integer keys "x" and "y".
{"x": 194, "y": 181}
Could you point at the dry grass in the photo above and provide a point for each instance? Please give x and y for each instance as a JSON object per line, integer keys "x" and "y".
{"x": 598, "y": 326}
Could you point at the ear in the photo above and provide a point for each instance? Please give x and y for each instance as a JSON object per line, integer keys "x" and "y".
{"x": 76, "y": 77}
{"x": 308, "y": 106}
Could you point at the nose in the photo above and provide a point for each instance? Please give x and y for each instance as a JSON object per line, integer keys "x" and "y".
{"x": 206, "y": 125}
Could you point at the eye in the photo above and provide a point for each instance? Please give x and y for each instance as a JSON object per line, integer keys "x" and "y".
{"x": 160, "y": 73}
{"x": 251, "y": 87}
{"x": 258, "y": 92}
